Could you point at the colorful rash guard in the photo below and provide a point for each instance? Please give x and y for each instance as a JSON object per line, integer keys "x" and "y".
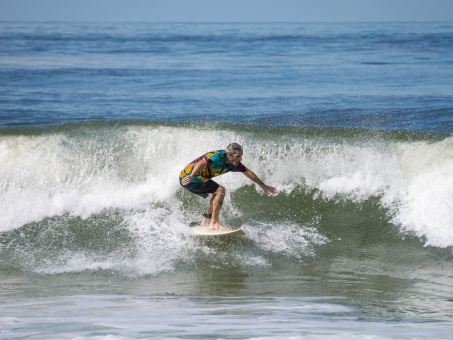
{"x": 216, "y": 166}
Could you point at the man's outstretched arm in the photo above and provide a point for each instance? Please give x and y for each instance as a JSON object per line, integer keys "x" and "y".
{"x": 266, "y": 188}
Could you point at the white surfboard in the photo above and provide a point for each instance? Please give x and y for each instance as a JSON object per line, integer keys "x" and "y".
{"x": 205, "y": 231}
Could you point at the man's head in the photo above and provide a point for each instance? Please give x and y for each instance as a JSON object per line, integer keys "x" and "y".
{"x": 234, "y": 153}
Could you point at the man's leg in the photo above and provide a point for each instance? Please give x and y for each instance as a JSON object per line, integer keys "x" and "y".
{"x": 214, "y": 208}
{"x": 207, "y": 220}
{"x": 215, "y": 204}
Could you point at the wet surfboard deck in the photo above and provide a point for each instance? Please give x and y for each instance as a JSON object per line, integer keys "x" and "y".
{"x": 205, "y": 231}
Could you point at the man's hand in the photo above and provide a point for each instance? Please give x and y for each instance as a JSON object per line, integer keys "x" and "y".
{"x": 187, "y": 180}
{"x": 269, "y": 190}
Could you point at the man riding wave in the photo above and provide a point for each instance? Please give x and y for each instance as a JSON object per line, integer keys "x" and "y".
{"x": 197, "y": 176}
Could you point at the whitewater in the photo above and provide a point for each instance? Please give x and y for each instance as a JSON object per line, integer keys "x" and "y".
{"x": 87, "y": 170}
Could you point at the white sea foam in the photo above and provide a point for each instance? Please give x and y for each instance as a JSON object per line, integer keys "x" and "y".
{"x": 136, "y": 169}
{"x": 414, "y": 180}
{"x": 293, "y": 241}
{"x": 425, "y": 198}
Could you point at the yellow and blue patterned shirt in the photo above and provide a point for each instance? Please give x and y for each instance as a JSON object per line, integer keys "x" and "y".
{"x": 217, "y": 166}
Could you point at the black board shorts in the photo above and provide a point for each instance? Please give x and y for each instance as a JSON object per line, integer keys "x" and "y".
{"x": 201, "y": 189}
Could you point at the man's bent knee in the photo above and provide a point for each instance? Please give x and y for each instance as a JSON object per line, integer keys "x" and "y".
{"x": 220, "y": 191}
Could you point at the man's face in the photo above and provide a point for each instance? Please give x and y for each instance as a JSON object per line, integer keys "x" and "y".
{"x": 235, "y": 158}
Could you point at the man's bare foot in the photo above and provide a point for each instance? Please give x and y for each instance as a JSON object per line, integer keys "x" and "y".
{"x": 217, "y": 226}
{"x": 206, "y": 222}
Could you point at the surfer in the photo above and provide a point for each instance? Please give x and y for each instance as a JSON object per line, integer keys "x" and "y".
{"x": 196, "y": 177}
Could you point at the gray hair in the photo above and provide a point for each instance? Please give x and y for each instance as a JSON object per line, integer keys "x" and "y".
{"x": 233, "y": 148}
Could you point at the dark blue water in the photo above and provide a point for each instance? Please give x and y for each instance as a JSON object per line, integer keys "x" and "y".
{"x": 372, "y": 75}
{"x": 352, "y": 123}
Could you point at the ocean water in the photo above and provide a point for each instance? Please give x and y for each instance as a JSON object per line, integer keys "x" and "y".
{"x": 353, "y": 123}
